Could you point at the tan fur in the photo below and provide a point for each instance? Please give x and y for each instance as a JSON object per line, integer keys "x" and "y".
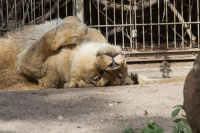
{"x": 43, "y": 56}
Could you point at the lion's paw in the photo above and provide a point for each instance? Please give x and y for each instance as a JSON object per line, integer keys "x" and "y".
{"x": 67, "y": 33}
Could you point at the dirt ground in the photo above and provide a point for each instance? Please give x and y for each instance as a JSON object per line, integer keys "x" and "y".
{"x": 90, "y": 110}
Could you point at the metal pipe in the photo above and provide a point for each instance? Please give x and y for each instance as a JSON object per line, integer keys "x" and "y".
{"x": 183, "y": 36}
{"x": 135, "y": 25}
{"x": 198, "y": 21}
{"x": 106, "y": 21}
{"x": 66, "y": 7}
{"x": 174, "y": 25}
{"x": 190, "y": 21}
{"x": 42, "y": 11}
{"x": 34, "y": 11}
{"x": 98, "y": 14}
{"x": 58, "y": 8}
{"x": 90, "y": 12}
{"x": 143, "y": 25}
{"x": 131, "y": 21}
{"x": 74, "y": 7}
{"x": 159, "y": 25}
{"x": 7, "y": 12}
{"x": 15, "y": 15}
{"x": 122, "y": 12}
{"x": 2, "y": 14}
{"x": 50, "y": 8}
{"x": 151, "y": 25}
{"x": 114, "y": 23}
{"x": 80, "y": 10}
{"x": 166, "y": 22}
{"x": 118, "y": 25}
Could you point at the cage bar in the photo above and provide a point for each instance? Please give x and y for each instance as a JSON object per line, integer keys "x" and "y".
{"x": 158, "y": 23}
{"x": 143, "y": 25}
{"x": 122, "y": 17}
{"x": 198, "y": 21}
{"x": 174, "y": 26}
{"x": 114, "y": 22}
{"x": 151, "y": 25}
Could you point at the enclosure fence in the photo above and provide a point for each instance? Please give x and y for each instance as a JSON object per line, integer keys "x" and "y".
{"x": 136, "y": 25}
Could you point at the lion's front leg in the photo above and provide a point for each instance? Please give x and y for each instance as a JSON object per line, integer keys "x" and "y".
{"x": 32, "y": 61}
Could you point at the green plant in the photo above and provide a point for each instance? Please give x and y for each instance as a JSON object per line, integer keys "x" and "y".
{"x": 151, "y": 128}
{"x": 182, "y": 125}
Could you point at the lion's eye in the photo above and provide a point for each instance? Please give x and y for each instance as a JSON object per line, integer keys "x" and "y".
{"x": 119, "y": 77}
{"x": 97, "y": 78}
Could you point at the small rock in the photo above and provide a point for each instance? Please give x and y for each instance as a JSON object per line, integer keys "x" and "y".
{"x": 110, "y": 105}
{"x": 111, "y": 114}
{"x": 88, "y": 123}
{"x": 60, "y": 118}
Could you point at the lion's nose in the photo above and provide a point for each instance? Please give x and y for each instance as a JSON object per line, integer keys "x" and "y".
{"x": 113, "y": 64}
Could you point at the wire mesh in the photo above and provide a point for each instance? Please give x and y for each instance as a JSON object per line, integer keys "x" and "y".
{"x": 160, "y": 24}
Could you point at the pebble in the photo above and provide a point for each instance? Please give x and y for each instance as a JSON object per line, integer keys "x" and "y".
{"x": 111, "y": 114}
{"x": 88, "y": 123}
{"x": 110, "y": 105}
{"x": 60, "y": 118}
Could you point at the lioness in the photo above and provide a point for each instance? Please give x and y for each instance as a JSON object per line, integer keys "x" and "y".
{"x": 59, "y": 53}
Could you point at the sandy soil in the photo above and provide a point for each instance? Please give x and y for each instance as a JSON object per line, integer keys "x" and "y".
{"x": 90, "y": 110}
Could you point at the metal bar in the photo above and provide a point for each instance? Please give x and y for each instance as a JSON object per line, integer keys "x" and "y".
{"x": 74, "y": 7}
{"x": 198, "y": 21}
{"x": 183, "y": 36}
{"x": 114, "y": 23}
{"x": 190, "y": 21}
{"x": 159, "y": 60}
{"x": 166, "y": 22}
{"x": 174, "y": 25}
{"x": 98, "y": 14}
{"x": 106, "y": 21}
{"x": 50, "y": 8}
{"x": 122, "y": 12}
{"x": 23, "y": 12}
{"x": 7, "y": 12}
{"x": 58, "y": 8}
{"x": 161, "y": 53}
{"x": 42, "y": 11}
{"x": 15, "y": 15}
{"x": 118, "y": 25}
{"x": 31, "y": 10}
{"x": 90, "y": 4}
{"x": 143, "y": 25}
{"x": 131, "y": 42}
{"x": 34, "y": 10}
{"x": 151, "y": 25}
{"x": 159, "y": 25}
{"x": 2, "y": 14}
{"x": 135, "y": 25}
{"x": 66, "y": 7}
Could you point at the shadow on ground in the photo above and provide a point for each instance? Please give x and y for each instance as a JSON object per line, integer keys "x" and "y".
{"x": 106, "y": 109}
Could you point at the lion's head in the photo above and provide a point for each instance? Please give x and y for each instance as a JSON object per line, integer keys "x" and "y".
{"x": 99, "y": 64}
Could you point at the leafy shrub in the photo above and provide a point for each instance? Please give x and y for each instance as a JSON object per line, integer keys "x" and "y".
{"x": 182, "y": 125}
{"x": 151, "y": 128}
